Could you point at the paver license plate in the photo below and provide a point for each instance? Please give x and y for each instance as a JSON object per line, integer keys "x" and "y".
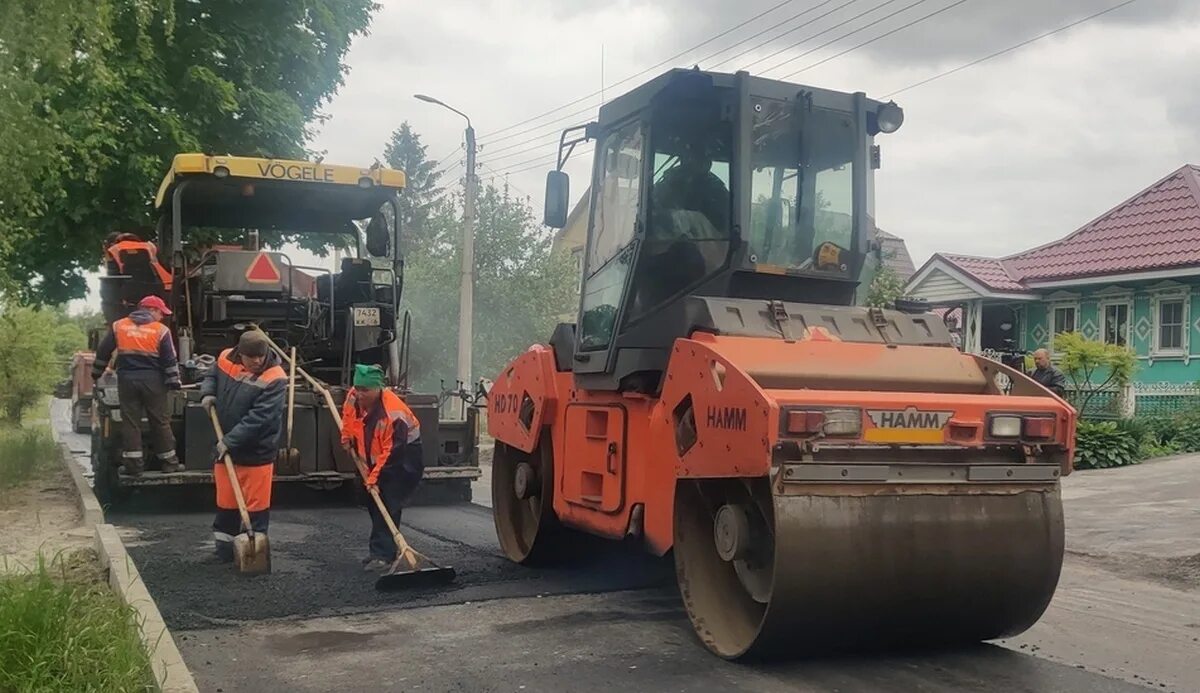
{"x": 366, "y": 317}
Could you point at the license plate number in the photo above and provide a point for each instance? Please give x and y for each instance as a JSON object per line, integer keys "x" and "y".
{"x": 366, "y": 317}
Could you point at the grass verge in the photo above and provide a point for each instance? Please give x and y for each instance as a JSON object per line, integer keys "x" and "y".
{"x": 23, "y": 453}
{"x": 61, "y": 629}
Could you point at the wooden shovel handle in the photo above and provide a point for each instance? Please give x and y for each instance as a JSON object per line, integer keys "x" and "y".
{"x": 233, "y": 480}
{"x": 402, "y": 546}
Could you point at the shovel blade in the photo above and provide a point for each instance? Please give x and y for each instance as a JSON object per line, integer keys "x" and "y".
{"x": 252, "y": 555}
{"x": 432, "y": 576}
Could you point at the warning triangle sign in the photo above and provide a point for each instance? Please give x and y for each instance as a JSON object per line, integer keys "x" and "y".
{"x": 262, "y": 270}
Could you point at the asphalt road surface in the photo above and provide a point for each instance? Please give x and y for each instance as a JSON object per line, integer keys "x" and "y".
{"x": 1123, "y": 621}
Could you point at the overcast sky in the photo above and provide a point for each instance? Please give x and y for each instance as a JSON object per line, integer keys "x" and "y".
{"x": 996, "y": 158}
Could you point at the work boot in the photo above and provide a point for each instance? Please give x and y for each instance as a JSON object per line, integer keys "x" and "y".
{"x": 132, "y": 466}
{"x": 376, "y": 565}
{"x": 172, "y": 466}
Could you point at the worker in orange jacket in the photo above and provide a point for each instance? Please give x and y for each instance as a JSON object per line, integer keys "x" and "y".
{"x": 146, "y": 367}
{"x": 127, "y": 253}
{"x": 380, "y": 428}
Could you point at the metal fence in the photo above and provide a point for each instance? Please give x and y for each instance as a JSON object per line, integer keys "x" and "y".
{"x": 1140, "y": 399}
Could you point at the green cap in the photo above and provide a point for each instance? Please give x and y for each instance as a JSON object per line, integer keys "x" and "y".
{"x": 368, "y": 376}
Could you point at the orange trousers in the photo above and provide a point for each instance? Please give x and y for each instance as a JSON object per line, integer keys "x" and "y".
{"x": 254, "y": 481}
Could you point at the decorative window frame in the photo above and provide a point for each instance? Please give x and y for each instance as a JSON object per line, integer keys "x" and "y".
{"x": 1170, "y": 291}
{"x": 1055, "y": 301}
{"x": 1113, "y": 295}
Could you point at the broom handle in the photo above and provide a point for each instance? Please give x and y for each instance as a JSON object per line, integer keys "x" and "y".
{"x": 233, "y": 480}
{"x": 402, "y": 545}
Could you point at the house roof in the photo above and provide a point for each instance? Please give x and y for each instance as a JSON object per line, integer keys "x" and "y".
{"x": 1156, "y": 229}
{"x": 895, "y": 254}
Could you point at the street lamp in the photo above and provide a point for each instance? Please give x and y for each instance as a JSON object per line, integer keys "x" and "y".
{"x": 466, "y": 298}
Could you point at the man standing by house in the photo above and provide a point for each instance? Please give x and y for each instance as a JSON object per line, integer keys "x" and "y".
{"x": 1047, "y": 375}
{"x": 380, "y": 428}
{"x": 248, "y": 388}
{"x": 146, "y": 368}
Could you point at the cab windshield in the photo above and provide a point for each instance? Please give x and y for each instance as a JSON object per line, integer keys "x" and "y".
{"x": 801, "y": 189}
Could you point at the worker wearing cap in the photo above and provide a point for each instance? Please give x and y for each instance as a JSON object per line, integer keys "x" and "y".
{"x": 248, "y": 389}
{"x": 380, "y": 428}
{"x": 146, "y": 367}
{"x": 127, "y": 253}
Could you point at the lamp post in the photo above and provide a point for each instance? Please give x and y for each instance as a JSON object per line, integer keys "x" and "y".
{"x": 466, "y": 290}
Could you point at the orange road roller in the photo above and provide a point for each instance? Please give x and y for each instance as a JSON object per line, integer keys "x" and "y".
{"x": 826, "y": 474}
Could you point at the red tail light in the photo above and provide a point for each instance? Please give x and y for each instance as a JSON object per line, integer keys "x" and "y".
{"x": 1038, "y": 427}
{"x": 805, "y": 422}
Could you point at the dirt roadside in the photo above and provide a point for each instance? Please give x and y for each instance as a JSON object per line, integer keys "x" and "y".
{"x": 42, "y": 517}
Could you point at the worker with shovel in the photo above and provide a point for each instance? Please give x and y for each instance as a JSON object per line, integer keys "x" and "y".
{"x": 380, "y": 428}
{"x": 248, "y": 390}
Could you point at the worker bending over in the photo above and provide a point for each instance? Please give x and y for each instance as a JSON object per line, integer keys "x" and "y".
{"x": 380, "y": 428}
{"x": 127, "y": 253}
{"x": 146, "y": 367}
{"x": 248, "y": 388}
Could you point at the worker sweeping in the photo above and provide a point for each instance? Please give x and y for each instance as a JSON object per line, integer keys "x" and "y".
{"x": 248, "y": 389}
{"x": 146, "y": 367}
{"x": 379, "y": 427}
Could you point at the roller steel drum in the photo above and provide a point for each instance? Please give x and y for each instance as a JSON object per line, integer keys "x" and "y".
{"x": 941, "y": 565}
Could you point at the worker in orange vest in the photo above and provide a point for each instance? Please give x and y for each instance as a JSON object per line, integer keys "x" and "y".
{"x": 127, "y": 253}
{"x": 380, "y": 428}
{"x": 147, "y": 368}
{"x": 248, "y": 389}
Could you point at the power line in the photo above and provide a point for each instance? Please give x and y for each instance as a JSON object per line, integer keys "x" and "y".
{"x": 1010, "y": 49}
{"x": 794, "y": 29}
{"x": 673, "y": 58}
{"x": 873, "y": 40}
{"x": 864, "y": 27}
{"x": 504, "y": 176}
{"x": 510, "y": 172}
{"x": 803, "y": 40}
{"x": 553, "y": 123}
{"x": 519, "y": 149}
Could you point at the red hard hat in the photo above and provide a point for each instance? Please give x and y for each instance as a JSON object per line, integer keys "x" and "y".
{"x": 155, "y": 303}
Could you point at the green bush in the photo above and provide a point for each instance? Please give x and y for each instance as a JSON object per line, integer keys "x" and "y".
{"x": 1185, "y": 433}
{"x": 1103, "y": 444}
{"x": 58, "y": 634}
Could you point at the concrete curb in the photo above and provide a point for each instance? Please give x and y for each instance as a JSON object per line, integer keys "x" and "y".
{"x": 170, "y": 672}
{"x": 89, "y": 505}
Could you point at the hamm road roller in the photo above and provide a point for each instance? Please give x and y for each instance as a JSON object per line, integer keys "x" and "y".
{"x": 826, "y": 474}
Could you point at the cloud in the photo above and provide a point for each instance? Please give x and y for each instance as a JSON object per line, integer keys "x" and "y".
{"x": 994, "y": 159}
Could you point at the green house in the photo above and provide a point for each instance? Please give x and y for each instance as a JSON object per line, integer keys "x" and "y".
{"x": 1129, "y": 277}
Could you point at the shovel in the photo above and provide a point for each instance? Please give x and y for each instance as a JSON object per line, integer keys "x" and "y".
{"x": 411, "y": 568}
{"x": 251, "y": 552}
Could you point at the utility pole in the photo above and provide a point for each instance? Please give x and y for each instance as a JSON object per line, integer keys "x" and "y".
{"x": 466, "y": 289}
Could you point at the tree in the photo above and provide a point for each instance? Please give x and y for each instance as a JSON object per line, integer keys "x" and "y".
{"x": 886, "y": 287}
{"x": 405, "y": 152}
{"x": 1093, "y": 366}
{"x": 33, "y": 345}
{"x": 105, "y": 104}
{"x": 521, "y": 287}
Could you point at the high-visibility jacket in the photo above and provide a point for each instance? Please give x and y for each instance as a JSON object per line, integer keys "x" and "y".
{"x": 250, "y": 406}
{"x": 385, "y": 435}
{"x": 122, "y": 252}
{"x": 143, "y": 348}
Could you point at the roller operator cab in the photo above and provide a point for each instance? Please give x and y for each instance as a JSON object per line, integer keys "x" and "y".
{"x": 825, "y": 473}
{"x": 215, "y": 217}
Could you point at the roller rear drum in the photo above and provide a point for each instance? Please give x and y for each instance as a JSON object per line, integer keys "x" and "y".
{"x": 780, "y": 575}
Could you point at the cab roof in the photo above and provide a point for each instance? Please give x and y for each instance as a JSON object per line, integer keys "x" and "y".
{"x": 282, "y": 194}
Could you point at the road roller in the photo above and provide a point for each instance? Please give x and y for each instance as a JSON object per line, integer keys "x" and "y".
{"x": 826, "y": 474}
